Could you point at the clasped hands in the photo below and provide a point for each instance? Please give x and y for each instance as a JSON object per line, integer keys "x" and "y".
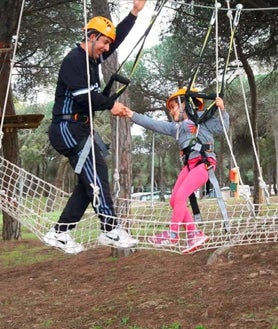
{"x": 121, "y": 110}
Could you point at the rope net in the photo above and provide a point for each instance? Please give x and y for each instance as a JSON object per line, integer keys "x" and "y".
{"x": 37, "y": 204}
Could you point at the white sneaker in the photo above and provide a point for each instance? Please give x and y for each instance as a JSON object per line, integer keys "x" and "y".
{"x": 63, "y": 241}
{"x": 118, "y": 238}
{"x": 195, "y": 241}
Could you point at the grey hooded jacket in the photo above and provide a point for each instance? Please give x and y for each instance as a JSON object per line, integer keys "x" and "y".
{"x": 182, "y": 131}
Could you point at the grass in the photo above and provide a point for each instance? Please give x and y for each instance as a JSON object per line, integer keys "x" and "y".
{"x": 21, "y": 254}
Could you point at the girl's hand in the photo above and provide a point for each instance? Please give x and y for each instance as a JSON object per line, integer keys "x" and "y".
{"x": 219, "y": 102}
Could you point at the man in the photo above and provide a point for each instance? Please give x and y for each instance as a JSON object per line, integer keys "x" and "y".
{"x": 70, "y": 132}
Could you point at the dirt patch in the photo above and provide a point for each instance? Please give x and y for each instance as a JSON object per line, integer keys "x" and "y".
{"x": 147, "y": 289}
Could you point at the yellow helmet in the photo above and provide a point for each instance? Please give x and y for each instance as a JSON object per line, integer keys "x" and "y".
{"x": 102, "y": 25}
{"x": 181, "y": 92}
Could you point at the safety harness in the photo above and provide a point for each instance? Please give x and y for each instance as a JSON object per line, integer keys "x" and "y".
{"x": 83, "y": 148}
{"x": 192, "y": 113}
{"x": 116, "y": 77}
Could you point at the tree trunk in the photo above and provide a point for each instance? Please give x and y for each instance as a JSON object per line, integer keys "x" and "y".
{"x": 275, "y": 131}
{"x": 121, "y": 134}
{"x": 254, "y": 111}
{"x": 61, "y": 173}
{"x": 11, "y": 228}
{"x": 9, "y": 11}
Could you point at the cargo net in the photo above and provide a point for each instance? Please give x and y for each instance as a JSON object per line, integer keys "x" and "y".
{"x": 37, "y": 205}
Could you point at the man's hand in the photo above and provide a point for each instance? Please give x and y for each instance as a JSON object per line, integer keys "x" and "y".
{"x": 138, "y": 5}
{"x": 121, "y": 110}
{"x": 118, "y": 109}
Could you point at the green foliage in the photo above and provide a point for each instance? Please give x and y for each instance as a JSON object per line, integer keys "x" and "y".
{"x": 22, "y": 255}
{"x": 174, "y": 325}
{"x": 48, "y": 30}
{"x": 166, "y": 160}
{"x": 35, "y": 150}
{"x": 242, "y": 142}
{"x": 47, "y": 324}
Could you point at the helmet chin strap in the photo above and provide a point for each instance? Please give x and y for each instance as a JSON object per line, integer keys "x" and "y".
{"x": 94, "y": 43}
{"x": 181, "y": 111}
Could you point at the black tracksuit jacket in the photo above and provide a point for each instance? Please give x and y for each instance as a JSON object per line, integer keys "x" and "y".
{"x": 65, "y": 134}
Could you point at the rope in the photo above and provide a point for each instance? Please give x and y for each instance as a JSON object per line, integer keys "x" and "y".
{"x": 193, "y": 4}
{"x": 94, "y": 186}
{"x": 211, "y": 23}
{"x": 35, "y": 203}
{"x": 217, "y": 6}
{"x": 191, "y": 112}
{"x": 261, "y": 180}
{"x": 10, "y": 74}
{"x": 230, "y": 16}
{"x": 38, "y": 203}
{"x": 116, "y": 175}
{"x": 125, "y": 81}
{"x": 116, "y": 77}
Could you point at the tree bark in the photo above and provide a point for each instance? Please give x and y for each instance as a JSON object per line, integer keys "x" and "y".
{"x": 275, "y": 132}
{"x": 121, "y": 134}
{"x": 11, "y": 227}
{"x": 9, "y": 11}
{"x": 253, "y": 119}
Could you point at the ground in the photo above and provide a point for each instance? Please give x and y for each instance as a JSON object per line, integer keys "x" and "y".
{"x": 145, "y": 290}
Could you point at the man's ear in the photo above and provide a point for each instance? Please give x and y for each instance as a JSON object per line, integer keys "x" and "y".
{"x": 92, "y": 37}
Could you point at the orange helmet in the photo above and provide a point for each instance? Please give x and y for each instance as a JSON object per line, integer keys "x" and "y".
{"x": 102, "y": 25}
{"x": 181, "y": 92}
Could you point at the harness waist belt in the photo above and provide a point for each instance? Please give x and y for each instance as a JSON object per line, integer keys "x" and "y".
{"x": 74, "y": 117}
{"x": 200, "y": 148}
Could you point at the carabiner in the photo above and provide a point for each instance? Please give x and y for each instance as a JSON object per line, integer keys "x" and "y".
{"x": 237, "y": 14}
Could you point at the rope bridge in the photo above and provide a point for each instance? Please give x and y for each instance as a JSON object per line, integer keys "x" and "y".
{"x": 37, "y": 204}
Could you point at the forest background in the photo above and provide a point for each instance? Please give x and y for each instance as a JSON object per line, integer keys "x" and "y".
{"x": 50, "y": 28}
{"x": 44, "y": 288}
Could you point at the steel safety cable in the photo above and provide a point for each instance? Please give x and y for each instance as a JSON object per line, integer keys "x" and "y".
{"x": 195, "y": 5}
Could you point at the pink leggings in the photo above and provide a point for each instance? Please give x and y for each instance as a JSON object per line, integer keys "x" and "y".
{"x": 188, "y": 181}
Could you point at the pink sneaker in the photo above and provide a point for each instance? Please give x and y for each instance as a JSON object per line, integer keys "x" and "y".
{"x": 164, "y": 238}
{"x": 195, "y": 240}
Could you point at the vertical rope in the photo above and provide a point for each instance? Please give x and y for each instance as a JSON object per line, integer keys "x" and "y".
{"x": 93, "y": 185}
{"x": 261, "y": 180}
{"x": 245, "y": 196}
{"x": 217, "y": 6}
{"x": 116, "y": 175}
